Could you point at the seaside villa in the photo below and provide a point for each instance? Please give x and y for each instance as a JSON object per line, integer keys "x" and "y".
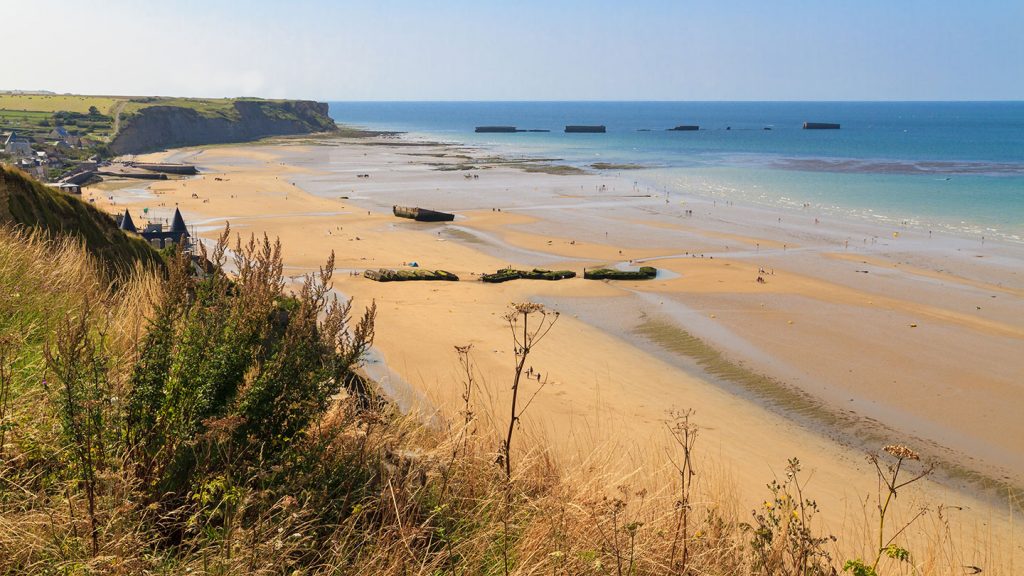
{"x": 154, "y": 232}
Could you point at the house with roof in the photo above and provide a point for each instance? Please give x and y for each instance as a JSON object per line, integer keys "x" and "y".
{"x": 63, "y": 138}
{"x": 58, "y": 133}
{"x": 15, "y": 145}
{"x": 155, "y": 233}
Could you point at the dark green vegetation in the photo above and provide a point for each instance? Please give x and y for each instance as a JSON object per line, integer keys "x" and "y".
{"x": 644, "y": 273}
{"x": 385, "y": 275}
{"x": 26, "y": 202}
{"x": 535, "y": 274}
{"x": 214, "y": 425}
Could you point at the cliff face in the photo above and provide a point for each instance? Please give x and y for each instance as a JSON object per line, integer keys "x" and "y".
{"x": 159, "y": 127}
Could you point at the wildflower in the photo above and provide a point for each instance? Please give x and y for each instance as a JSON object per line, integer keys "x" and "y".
{"x": 902, "y": 452}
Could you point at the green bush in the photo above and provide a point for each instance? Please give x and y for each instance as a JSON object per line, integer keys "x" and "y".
{"x": 231, "y": 373}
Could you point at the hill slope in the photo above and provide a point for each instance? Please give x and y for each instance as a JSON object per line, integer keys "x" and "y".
{"x": 26, "y": 202}
{"x": 129, "y": 125}
{"x": 182, "y": 122}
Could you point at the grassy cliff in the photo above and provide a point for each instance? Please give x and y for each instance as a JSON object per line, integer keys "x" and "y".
{"x": 127, "y": 125}
{"x": 27, "y": 203}
{"x": 152, "y": 124}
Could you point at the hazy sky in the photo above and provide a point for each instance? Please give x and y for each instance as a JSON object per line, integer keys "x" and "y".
{"x": 519, "y": 50}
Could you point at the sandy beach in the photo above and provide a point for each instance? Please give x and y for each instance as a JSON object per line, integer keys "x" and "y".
{"x": 860, "y": 335}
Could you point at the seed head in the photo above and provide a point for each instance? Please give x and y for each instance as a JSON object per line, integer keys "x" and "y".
{"x": 902, "y": 452}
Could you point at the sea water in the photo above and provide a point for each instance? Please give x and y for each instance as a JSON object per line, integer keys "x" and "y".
{"x": 957, "y": 166}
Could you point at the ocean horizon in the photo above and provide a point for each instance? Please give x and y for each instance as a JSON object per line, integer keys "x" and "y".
{"x": 951, "y": 166}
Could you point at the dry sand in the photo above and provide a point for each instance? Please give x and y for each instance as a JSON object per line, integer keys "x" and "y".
{"x": 915, "y": 339}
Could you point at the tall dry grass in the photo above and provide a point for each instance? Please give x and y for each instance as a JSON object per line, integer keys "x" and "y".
{"x": 367, "y": 490}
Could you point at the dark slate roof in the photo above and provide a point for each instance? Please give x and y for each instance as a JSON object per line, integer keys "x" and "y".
{"x": 126, "y": 223}
{"x": 178, "y": 223}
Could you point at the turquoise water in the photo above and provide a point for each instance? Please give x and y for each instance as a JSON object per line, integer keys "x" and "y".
{"x": 957, "y": 166}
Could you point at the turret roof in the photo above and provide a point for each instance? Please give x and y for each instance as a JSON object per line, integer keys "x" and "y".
{"x": 127, "y": 224}
{"x": 178, "y": 223}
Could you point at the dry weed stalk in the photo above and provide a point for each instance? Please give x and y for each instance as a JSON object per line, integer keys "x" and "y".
{"x": 684, "y": 435}
{"x": 524, "y": 338}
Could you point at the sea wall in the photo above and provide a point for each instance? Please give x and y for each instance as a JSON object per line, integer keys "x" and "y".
{"x": 160, "y": 127}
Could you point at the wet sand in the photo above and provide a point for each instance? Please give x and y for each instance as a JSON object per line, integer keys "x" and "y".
{"x": 859, "y": 336}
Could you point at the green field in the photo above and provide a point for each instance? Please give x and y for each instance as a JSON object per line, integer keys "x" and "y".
{"x": 98, "y": 119}
{"x": 210, "y": 107}
{"x": 34, "y": 114}
{"x": 55, "y": 103}
{"x": 30, "y": 112}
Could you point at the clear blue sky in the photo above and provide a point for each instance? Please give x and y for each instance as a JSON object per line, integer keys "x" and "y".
{"x": 520, "y": 50}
